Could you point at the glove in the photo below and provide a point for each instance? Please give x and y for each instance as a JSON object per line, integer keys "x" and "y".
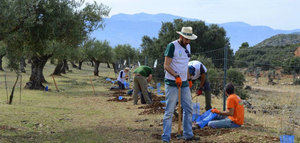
{"x": 190, "y": 83}
{"x": 178, "y": 81}
{"x": 215, "y": 111}
{"x": 199, "y": 92}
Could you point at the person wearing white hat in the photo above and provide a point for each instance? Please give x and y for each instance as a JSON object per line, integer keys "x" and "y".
{"x": 177, "y": 56}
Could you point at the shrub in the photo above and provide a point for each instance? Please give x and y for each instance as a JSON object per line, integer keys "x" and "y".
{"x": 238, "y": 79}
{"x": 297, "y": 82}
{"x": 292, "y": 65}
{"x": 215, "y": 78}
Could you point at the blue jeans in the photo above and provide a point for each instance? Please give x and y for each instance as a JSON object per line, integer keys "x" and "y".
{"x": 186, "y": 103}
{"x": 222, "y": 122}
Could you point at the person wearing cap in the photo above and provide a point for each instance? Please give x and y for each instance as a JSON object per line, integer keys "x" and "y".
{"x": 233, "y": 117}
{"x": 142, "y": 75}
{"x": 177, "y": 56}
{"x": 122, "y": 77}
{"x": 198, "y": 71}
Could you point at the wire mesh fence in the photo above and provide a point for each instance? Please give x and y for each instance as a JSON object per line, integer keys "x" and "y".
{"x": 282, "y": 117}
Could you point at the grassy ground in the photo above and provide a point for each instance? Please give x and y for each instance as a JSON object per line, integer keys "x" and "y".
{"x": 75, "y": 114}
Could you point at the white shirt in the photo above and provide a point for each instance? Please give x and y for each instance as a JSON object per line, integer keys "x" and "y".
{"x": 121, "y": 76}
{"x": 179, "y": 62}
{"x": 197, "y": 66}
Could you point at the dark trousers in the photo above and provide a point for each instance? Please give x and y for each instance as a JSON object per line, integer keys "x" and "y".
{"x": 121, "y": 85}
{"x": 207, "y": 93}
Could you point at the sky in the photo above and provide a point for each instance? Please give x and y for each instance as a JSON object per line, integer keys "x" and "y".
{"x": 278, "y": 14}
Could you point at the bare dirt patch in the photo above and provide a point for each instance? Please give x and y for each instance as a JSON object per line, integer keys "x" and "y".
{"x": 120, "y": 100}
{"x": 7, "y": 128}
{"x": 155, "y": 108}
{"x": 206, "y": 131}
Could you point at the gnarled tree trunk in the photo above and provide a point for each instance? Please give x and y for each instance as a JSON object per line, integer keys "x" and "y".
{"x": 92, "y": 63}
{"x": 37, "y": 77}
{"x": 115, "y": 67}
{"x": 96, "y": 71}
{"x": 108, "y": 66}
{"x": 52, "y": 61}
{"x": 58, "y": 68}
{"x": 12, "y": 91}
{"x": 66, "y": 66}
{"x": 73, "y": 65}
{"x": 22, "y": 65}
{"x": 42, "y": 75}
{"x": 80, "y": 64}
{"x": 1, "y": 68}
{"x": 63, "y": 70}
{"x": 61, "y": 67}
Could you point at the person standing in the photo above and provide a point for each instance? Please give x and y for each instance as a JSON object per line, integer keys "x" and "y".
{"x": 142, "y": 76}
{"x": 177, "y": 56}
{"x": 198, "y": 71}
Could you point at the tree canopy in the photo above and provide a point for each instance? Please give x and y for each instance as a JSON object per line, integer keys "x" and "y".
{"x": 210, "y": 38}
{"x": 41, "y": 29}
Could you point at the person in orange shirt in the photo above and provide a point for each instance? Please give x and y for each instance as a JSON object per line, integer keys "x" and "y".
{"x": 233, "y": 117}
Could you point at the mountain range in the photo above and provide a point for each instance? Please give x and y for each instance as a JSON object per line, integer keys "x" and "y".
{"x": 130, "y": 28}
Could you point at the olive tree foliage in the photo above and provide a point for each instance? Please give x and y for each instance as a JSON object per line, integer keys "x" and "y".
{"x": 98, "y": 52}
{"x": 125, "y": 52}
{"x": 77, "y": 55}
{"x": 2, "y": 54}
{"x": 45, "y": 28}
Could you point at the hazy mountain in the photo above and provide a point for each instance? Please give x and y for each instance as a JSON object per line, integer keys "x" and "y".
{"x": 129, "y": 29}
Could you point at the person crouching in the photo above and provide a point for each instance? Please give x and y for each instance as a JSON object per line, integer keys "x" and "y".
{"x": 233, "y": 117}
{"x": 122, "y": 77}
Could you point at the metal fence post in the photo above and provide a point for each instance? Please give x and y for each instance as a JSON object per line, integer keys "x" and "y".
{"x": 225, "y": 75}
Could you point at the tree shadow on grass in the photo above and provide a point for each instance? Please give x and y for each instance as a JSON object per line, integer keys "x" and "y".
{"x": 79, "y": 94}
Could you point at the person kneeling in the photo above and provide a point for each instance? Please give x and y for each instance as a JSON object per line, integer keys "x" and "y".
{"x": 233, "y": 117}
{"x": 122, "y": 78}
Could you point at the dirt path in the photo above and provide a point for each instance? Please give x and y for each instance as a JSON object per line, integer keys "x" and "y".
{"x": 276, "y": 89}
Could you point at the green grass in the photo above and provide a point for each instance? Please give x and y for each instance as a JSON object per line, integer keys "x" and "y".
{"x": 75, "y": 114}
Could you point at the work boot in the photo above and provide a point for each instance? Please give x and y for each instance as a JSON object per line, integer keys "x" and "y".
{"x": 179, "y": 137}
{"x": 192, "y": 139}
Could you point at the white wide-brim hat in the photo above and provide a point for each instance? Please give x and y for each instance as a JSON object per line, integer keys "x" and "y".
{"x": 187, "y": 32}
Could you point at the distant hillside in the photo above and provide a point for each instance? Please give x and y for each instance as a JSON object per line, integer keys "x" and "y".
{"x": 273, "y": 52}
{"x": 129, "y": 29}
{"x": 280, "y": 40}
